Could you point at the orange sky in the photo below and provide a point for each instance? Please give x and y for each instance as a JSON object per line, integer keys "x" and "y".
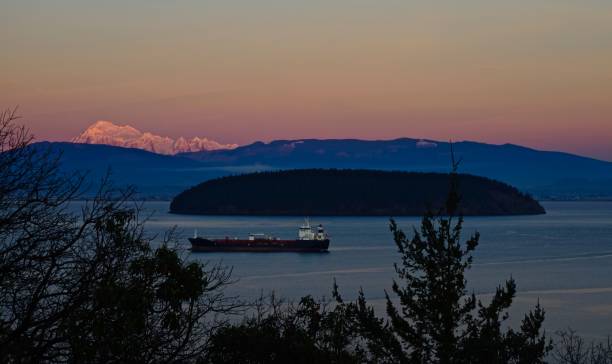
{"x": 537, "y": 73}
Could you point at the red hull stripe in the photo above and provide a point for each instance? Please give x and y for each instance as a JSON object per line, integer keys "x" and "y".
{"x": 259, "y": 245}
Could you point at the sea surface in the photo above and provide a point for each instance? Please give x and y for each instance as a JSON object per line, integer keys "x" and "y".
{"x": 562, "y": 259}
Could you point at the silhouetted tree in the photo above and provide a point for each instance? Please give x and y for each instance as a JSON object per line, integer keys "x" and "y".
{"x": 310, "y": 331}
{"x": 437, "y": 320}
{"x": 572, "y": 349}
{"x": 140, "y": 304}
{"x": 89, "y": 287}
{"x": 306, "y": 332}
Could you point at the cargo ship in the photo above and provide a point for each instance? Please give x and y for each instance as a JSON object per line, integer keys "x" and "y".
{"x": 309, "y": 240}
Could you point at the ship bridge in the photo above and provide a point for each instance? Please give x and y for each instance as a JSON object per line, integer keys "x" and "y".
{"x": 306, "y": 232}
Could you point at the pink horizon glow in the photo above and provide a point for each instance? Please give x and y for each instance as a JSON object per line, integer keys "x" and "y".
{"x": 530, "y": 73}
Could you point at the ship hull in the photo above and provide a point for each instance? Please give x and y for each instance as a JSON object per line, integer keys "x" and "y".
{"x": 259, "y": 245}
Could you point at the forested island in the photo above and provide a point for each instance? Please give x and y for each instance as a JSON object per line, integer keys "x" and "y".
{"x": 347, "y": 192}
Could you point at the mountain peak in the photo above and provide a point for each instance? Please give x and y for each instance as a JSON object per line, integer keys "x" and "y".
{"x": 109, "y": 133}
{"x": 104, "y": 123}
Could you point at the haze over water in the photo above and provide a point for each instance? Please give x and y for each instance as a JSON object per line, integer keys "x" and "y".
{"x": 563, "y": 258}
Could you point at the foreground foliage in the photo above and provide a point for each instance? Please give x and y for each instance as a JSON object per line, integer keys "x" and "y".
{"x": 437, "y": 320}
{"x": 90, "y": 287}
{"x": 572, "y": 349}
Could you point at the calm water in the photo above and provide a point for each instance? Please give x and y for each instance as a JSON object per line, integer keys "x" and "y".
{"x": 563, "y": 258}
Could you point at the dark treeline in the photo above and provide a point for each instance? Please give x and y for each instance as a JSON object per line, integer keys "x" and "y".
{"x": 89, "y": 288}
{"x": 310, "y": 192}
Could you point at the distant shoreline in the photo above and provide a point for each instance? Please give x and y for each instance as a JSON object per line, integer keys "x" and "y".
{"x": 169, "y": 200}
{"x": 365, "y": 216}
{"x": 605, "y": 199}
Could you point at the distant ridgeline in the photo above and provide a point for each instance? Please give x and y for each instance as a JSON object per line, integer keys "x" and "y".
{"x": 312, "y": 192}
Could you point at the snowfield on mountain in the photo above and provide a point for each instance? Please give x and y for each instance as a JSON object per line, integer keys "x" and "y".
{"x": 108, "y": 133}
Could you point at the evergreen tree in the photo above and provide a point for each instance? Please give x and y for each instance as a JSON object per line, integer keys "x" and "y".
{"x": 437, "y": 320}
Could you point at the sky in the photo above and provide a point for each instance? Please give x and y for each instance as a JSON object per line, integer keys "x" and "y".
{"x": 530, "y": 72}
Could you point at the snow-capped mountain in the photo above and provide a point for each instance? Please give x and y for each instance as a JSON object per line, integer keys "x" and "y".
{"x": 106, "y": 132}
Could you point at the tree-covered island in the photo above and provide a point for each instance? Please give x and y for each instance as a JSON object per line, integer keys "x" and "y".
{"x": 347, "y": 192}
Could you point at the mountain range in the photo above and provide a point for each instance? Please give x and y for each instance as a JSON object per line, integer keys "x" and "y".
{"x": 108, "y": 133}
{"x": 546, "y": 175}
